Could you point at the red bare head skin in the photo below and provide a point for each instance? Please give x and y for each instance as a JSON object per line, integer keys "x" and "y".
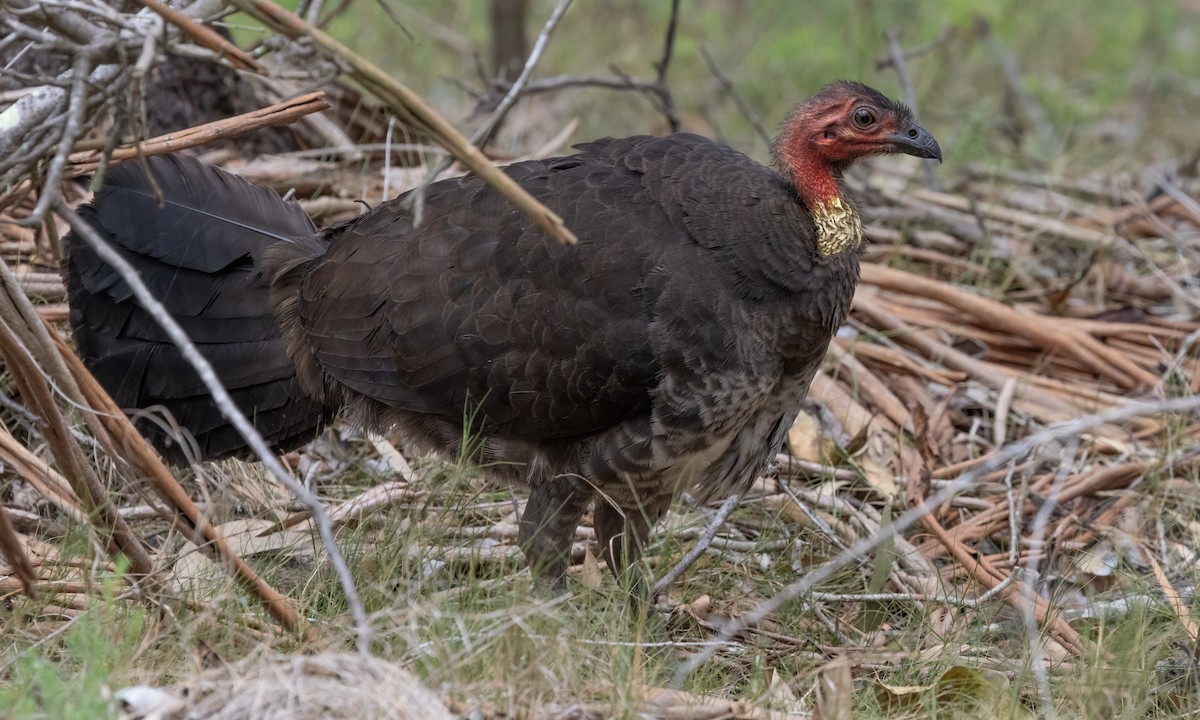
{"x": 843, "y": 122}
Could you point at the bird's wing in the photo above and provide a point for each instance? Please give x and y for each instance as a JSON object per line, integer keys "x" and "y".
{"x": 477, "y": 314}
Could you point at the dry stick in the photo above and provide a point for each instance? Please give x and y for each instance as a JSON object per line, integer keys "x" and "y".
{"x": 483, "y": 134}
{"x": 1003, "y": 213}
{"x": 13, "y": 551}
{"x": 910, "y": 517}
{"x": 1030, "y": 602}
{"x": 33, "y": 470}
{"x": 660, "y": 67}
{"x": 410, "y": 107}
{"x": 76, "y": 105}
{"x": 990, "y": 578}
{"x": 910, "y": 95}
{"x": 990, "y": 375}
{"x": 872, "y": 389}
{"x": 128, "y": 445}
{"x": 1020, "y": 328}
{"x": 119, "y": 539}
{"x": 229, "y": 410}
{"x": 205, "y": 36}
{"x": 698, "y": 549}
{"x": 1177, "y": 604}
{"x": 282, "y": 113}
{"x": 1086, "y": 349}
{"x": 1033, "y": 110}
{"x": 1087, "y": 483}
{"x": 742, "y": 106}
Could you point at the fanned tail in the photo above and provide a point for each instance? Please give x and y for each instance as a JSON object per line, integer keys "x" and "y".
{"x": 199, "y": 251}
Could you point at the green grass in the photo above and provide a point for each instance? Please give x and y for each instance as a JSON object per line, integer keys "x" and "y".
{"x": 481, "y": 632}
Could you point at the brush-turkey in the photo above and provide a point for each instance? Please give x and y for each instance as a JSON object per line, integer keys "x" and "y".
{"x": 669, "y": 350}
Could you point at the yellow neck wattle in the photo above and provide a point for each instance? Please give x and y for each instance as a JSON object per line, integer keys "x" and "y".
{"x": 839, "y": 228}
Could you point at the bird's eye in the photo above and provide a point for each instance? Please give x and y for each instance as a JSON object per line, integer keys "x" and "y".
{"x": 864, "y": 118}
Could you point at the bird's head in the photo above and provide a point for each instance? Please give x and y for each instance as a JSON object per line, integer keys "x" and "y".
{"x": 846, "y": 121}
{"x": 843, "y": 122}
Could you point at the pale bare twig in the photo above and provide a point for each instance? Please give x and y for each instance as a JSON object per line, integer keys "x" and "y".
{"x": 483, "y": 134}
{"x": 911, "y": 597}
{"x": 698, "y": 549}
{"x": 76, "y": 103}
{"x": 657, "y": 89}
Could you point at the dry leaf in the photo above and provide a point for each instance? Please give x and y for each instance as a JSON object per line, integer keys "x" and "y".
{"x": 590, "y": 574}
{"x": 960, "y": 692}
{"x": 806, "y": 442}
{"x": 834, "y": 691}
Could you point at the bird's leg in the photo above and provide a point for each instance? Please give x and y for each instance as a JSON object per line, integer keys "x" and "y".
{"x": 548, "y": 525}
{"x": 622, "y": 534}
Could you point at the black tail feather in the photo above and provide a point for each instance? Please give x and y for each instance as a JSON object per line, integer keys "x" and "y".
{"x": 199, "y": 251}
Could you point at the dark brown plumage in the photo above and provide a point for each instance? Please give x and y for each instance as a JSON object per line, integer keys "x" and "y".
{"x": 669, "y": 350}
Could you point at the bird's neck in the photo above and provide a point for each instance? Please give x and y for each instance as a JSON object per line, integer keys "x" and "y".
{"x": 839, "y": 228}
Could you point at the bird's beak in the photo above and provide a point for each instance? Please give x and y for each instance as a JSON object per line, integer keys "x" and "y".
{"x": 916, "y": 140}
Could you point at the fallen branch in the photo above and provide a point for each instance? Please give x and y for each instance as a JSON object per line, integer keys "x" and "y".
{"x": 13, "y": 551}
{"x": 283, "y": 113}
{"x": 408, "y": 106}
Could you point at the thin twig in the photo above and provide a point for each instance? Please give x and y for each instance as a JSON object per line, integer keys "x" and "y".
{"x": 1028, "y": 593}
{"x": 409, "y": 106}
{"x": 282, "y": 113}
{"x": 727, "y": 85}
{"x": 661, "y": 67}
{"x": 204, "y": 36}
{"x": 910, "y": 95}
{"x": 483, "y": 134}
{"x": 698, "y": 549}
{"x": 76, "y": 102}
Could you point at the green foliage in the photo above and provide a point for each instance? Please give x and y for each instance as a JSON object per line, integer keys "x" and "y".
{"x": 71, "y": 677}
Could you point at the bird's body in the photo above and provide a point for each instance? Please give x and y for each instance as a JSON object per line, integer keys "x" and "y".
{"x": 669, "y": 350}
